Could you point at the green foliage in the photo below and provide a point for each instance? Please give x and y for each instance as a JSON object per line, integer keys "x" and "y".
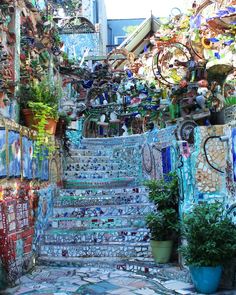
{"x": 229, "y": 101}
{"x": 129, "y": 29}
{"x": 41, "y": 113}
{"x": 66, "y": 118}
{"x": 40, "y": 91}
{"x": 163, "y": 193}
{"x": 42, "y": 97}
{"x": 164, "y": 223}
{"x": 210, "y": 235}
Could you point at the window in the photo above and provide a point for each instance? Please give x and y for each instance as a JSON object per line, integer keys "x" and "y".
{"x": 119, "y": 39}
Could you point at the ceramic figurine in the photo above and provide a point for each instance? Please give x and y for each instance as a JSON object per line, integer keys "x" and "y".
{"x": 125, "y": 133}
{"x": 105, "y": 102}
{"x": 202, "y": 94}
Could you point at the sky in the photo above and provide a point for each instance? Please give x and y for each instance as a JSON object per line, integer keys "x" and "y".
{"x": 143, "y": 8}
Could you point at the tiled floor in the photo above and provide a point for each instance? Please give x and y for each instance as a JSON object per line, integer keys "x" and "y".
{"x": 95, "y": 281}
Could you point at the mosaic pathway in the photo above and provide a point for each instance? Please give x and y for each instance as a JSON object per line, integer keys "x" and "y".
{"x": 96, "y": 281}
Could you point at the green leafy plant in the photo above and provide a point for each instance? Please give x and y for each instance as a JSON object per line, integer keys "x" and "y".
{"x": 229, "y": 101}
{"x": 210, "y": 236}
{"x": 41, "y": 114}
{"x": 164, "y": 223}
{"x": 164, "y": 192}
{"x": 42, "y": 98}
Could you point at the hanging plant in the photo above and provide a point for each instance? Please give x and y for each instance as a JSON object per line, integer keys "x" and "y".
{"x": 44, "y": 117}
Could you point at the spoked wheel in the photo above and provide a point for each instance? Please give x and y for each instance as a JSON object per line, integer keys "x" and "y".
{"x": 164, "y": 64}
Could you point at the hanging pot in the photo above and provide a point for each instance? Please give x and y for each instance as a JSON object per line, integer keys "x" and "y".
{"x": 28, "y": 117}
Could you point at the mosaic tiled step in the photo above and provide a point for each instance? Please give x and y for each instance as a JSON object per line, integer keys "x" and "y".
{"x": 98, "y": 222}
{"x": 93, "y": 166}
{"x": 104, "y": 210}
{"x": 112, "y": 141}
{"x": 97, "y": 236}
{"x": 104, "y": 192}
{"x": 91, "y": 152}
{"x": 77, "y": 200}
{"x": 91, "y": 174}
{"x": 91, "y": 250}
{"x": 90, "y": 159}
{"x": 137, "y": 265}
{"x": 99, "y": 183}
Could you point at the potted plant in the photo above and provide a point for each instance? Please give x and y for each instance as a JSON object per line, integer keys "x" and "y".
{"x": 210, "y": 242}
{"x": 39, "y": 102}
{"x": 163, "y": 223}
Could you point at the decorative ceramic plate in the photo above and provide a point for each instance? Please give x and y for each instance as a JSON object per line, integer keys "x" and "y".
{"x": 147, "y": 158}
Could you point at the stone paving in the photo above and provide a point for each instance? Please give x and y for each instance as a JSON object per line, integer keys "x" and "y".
{"x": 96, "y": 281}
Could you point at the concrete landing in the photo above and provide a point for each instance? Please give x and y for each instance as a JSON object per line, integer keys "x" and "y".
{"x": 96, "y": 281}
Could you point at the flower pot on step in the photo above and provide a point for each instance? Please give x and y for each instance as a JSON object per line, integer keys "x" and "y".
{"x": 161, "y": 250}
{"x": 206, "y": 279}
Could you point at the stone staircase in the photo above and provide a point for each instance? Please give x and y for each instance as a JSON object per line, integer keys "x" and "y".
{"x": 99, "y": 215}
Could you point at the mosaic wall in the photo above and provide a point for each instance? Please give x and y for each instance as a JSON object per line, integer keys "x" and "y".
{"x": 43, "y": 213}
{"x": 158, "y": 156}
{"x": 10, "y": 63}
{"x": 24, "y": 197}
{"x": 75, "y": 45}
{"x": 208, "y": 172}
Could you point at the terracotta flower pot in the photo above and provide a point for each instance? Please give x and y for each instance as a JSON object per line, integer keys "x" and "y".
{"x": 30, "y": 121}
{"x": 28, "y": 117}
{"x": 51, "y": 126}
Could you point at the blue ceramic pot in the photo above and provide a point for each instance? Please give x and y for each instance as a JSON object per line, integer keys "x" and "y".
{"x": 206, "y": 279}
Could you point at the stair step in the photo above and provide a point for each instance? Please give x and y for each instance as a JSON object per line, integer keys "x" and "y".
{"x": 113, "y": 141}
{"x": 104, "y": 210}
{"x": 94, "y": 174}
{"x": 104, "y": 192}
{"x": 78, "y": 201}
{"x": 97, "y": 236}
{"x": 91, "y": 161}
{"x": 91, "y": 250}
{"x": 98, "y": 222}
{"x": 99, "y": 183}
{"x": 91, "y": 152}
{"x": 92, "y": 166}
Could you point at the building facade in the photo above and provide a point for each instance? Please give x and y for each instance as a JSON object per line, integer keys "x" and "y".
{"x": 119, "y": 29}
